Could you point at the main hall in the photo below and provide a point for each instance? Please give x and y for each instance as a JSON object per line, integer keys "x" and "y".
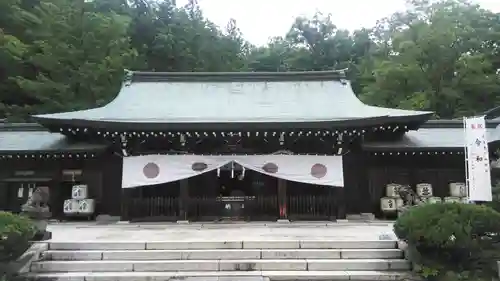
{"x": 232, "y": 146}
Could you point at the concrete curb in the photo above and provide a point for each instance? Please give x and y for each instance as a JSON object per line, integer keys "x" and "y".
{"x": 188, "y": 224}
{"x": 34, "y": 253}
{"x": 228, "y": 276}
{"x": 222, "y": 244}
{"x": 402, "y": 245}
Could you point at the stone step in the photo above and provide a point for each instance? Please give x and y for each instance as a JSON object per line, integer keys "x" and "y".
{"x": 232, "y": 254}
{"x": 223, "y": 276}
{"x": 221, "y": 265}
{"x": 194, "y": 245}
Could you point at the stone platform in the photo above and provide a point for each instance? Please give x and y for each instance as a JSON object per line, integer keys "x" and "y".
{"x": 216, "y": 252}
{"x": 222, "y": 231}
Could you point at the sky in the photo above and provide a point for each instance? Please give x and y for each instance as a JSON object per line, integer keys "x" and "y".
{"x": 261, "y": 19}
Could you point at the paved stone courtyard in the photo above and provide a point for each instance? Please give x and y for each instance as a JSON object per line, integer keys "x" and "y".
{"x": 69, "y": 232}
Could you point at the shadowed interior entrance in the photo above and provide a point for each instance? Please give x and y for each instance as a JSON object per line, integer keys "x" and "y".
{"x": 235, "y": 192}
{"x": 232, "y": 192}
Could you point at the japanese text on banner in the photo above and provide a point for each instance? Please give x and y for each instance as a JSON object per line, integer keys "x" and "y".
{"x": 478, "y": 162}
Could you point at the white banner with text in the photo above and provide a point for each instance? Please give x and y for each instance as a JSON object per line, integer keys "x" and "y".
{"x": 478, "y": 161}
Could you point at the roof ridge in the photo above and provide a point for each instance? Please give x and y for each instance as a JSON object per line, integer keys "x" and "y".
{"x": 492, "y": 113}
{"x": 147, "y": 76}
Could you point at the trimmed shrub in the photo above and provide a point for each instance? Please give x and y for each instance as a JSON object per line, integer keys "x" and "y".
{"x": 451, "y": 237}
{"x": 495, "y": 204}
{"x": 15, "y": 234}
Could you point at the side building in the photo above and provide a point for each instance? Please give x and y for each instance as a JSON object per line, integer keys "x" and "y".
{"x": 209, "y": 146}
{"x": 31, "y": 156}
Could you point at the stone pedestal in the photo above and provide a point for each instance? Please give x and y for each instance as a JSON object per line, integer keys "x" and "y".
{"x": 38, "y": 211}
{"x": 498, "y": 268}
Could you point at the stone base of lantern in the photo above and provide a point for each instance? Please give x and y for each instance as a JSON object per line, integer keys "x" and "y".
{"x": 42, "y": 236}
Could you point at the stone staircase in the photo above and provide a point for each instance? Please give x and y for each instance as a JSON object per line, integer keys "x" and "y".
{"x": 221, "y": 260}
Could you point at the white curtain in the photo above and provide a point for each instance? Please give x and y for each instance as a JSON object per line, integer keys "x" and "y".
{"x": 156, "y": 169}
{"x": 311, "y": 169}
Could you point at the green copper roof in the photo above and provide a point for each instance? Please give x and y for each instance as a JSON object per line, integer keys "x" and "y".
{"x": 182, "y": 98}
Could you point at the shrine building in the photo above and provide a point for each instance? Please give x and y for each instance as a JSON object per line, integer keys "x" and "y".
{"x": 235, "y": 146}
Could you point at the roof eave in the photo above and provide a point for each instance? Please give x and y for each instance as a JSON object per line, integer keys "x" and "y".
{"x": 93, "y": 149}
{"x": 396, "y": 148}
{"x": 54, "y": 124}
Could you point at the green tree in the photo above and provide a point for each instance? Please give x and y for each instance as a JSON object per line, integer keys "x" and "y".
{"x": 73, "y": 61}
{"x": 171, "y": 38}
{"x": 271, "y": 58}
{"x": 435, "y": 56}
{"x": 13, "y": 22}
{"x": 63, "y": 55}
{"x": 60, "y": 55}
{"x": 314, "y": 44}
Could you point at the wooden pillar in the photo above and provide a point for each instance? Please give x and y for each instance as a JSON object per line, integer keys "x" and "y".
{"x": 92, "y": 177}
{"x": 355, "y": 195}
{"x": 332, "y": 203}
{"x": 5, "y": 193}
{"x": 4, "y": 196}
{"x": 282, "y": 199}
{"x": 125, "y": 197}
{"x": 184, "y": 200}
{"x": 341, "y": 203}
{"x": 113, "y": 195}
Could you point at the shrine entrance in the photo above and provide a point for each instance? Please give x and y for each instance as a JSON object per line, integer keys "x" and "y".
{"x": 250, "y": 188}
{"x": 235, "y": 193}
{"x": 232, "y": 193}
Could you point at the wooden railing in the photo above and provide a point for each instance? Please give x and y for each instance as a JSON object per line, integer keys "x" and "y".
{"x": 204, "y": 209}
{"x": 311, "y": 207}
{"x": 152, "y": 209}
{"x": 233, "y": 208}
{"x": 249, "y": 208}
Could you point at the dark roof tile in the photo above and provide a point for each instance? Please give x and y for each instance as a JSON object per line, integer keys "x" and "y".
{"x": 431, "y": 139}
{"x": 31, "y": 138}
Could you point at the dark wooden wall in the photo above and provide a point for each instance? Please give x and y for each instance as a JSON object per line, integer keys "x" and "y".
{"x": 438, "y": 169}
{"x": 16, "y": 172}
{"x": 355, "y": 191}
{"x": 365, "y": 176}
{"x": 111, "y": 169}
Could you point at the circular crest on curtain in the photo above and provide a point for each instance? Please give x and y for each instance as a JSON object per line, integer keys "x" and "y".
{"x": 270, "y": 168}
{"x": 318, "y": 170}
{"x": 199, "y": 166}
{"x": 151, "y": 170}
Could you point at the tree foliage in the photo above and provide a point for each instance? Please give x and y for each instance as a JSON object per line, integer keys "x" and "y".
{"x": 437, "y": 56}
{"x": 451, "y": 238}
{"x": 60, "y": 55}
{"x": 15, "y": 234}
